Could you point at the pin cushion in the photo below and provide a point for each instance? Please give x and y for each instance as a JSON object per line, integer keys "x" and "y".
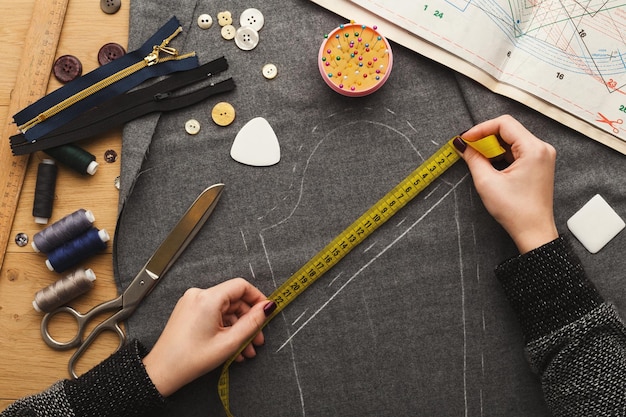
{"x": 355, "y": 60}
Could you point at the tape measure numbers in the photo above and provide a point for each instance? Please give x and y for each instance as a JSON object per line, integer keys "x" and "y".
{"x": 38, "y": 54}
{"x": 358, "y": 231}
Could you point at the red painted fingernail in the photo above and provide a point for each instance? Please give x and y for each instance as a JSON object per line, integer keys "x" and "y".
{"x": 459, "y": 144}
{"x": 269, "y": 308}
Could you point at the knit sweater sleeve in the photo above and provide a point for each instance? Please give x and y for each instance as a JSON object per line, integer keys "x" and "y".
{"x": 119, "y": 386}
{"x": 575, "y": 340}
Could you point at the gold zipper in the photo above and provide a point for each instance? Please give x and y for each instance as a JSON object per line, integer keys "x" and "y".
{"x": 151, "y": 59}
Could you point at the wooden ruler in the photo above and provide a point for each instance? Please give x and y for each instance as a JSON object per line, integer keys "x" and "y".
{"x": 38, "y": 55}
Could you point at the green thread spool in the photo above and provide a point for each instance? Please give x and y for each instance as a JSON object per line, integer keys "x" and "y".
{"x": 74, "y": 157}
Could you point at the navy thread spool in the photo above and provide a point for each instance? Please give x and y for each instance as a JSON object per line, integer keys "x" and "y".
{"x": 63, "y": 231}
{"x": 44, "y": 191}
{"x": 71, "y": 253}
{"x": 74, "y": 157}
{"x": 64, "y": 290}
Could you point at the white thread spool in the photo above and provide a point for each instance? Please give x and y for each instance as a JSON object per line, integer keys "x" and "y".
{"x": 64, "y": 290}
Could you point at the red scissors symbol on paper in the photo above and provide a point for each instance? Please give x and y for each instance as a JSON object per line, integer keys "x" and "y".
{"x": 611, "y": 123}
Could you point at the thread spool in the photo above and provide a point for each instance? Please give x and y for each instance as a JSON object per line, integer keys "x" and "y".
{"x": 64, "y": 290}
{"x": 355, "y": 60}
{"x": 63, "y": 231}
{"x": 74, "y": 157}
{"x": 76, "y": 250}
{"x": 44, "y": 191}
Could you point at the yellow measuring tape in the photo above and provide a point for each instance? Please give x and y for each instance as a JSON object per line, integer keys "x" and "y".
{"x": 360, "y": 229}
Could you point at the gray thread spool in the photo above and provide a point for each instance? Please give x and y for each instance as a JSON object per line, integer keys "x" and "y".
{"x": 64, "y": 290}
{"x": 63, "y": 231}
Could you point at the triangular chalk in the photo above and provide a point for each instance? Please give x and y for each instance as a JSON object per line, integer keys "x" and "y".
{"x": 256, "y": 144}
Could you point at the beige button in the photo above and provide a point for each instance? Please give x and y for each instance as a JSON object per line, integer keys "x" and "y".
{"x": 205, "y": 21}
{"x": 192, "y": 126}
{"x": 228, "y": 32}
{"x": 270, "y": 71}
{"x": 224, "y": 18}
{"x": 223, "y": 114}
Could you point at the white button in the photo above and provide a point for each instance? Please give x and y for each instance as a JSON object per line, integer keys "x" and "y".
{"x": 270, "y": 71}
{"x": 252, "y": 18}
{"x": 246, "y": 38}
{"x": 228, "y": 32}
{"x": 205, "y": 21}
{"x": 192, "y": 126}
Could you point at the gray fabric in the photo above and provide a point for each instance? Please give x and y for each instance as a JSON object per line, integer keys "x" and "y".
{"x": 413, "y": 321}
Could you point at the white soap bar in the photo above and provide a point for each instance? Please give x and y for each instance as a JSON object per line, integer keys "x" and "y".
{"x": 595, "y": 224}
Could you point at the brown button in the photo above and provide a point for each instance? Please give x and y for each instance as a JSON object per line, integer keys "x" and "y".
{"x": 110, "y": 6}
{"x": 110, "y": 52}
{"x": 67, "y": 67}
{"x": 110, "y": 156}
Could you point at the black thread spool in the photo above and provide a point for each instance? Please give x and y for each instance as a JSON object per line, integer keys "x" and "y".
{"x": 64, "y": 290}
{"x": 74, "y": 157}
{"x": 44, "y": 191}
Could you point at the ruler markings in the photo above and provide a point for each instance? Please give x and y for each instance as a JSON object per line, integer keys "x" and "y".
{"x": 38, "y": 54}
{"x": 347, "y": 240}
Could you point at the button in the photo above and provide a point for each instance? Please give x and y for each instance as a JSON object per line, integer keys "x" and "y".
{"x": 246, "y": 38}
{"x": 67, "y": 67}
{"x": 110, "y": 156}
{"x": 110, "y": 6}
{"x": 270, "y": 71}
{"x": 110, "y": 52}
{"x": 205, "y": 21}
{"x": 192, "y": 126}
{"x": 223, "y": 114}
{"x": 228, "y": 32}
{"x": 21, "y": 239}
{"x": 252, "y": 18}
{"x": 224, "y": 18}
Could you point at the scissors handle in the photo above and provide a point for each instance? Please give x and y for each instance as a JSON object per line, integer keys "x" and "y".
{"x": 81, "y": 321}
{"x": 111, "y": 324}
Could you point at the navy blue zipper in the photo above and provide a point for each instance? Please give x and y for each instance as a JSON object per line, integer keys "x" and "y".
{"x": 154, "y": 58}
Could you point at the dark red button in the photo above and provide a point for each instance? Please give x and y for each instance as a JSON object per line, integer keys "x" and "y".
{"x": 67, "y": 67}
{"x": 110, "y": 6}
{"x": 110, "y": 52}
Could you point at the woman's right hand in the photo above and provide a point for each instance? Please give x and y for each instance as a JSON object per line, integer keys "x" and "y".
{"x": 206, "y": 327}
{"x": 519, "y": 197}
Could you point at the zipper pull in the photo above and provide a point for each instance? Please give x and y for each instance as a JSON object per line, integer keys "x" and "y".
{"x": 153, "y": 57}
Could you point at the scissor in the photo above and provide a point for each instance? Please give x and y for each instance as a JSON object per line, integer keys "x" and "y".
{"x": 611, "y": 123}
{"x": 158, "y": 264}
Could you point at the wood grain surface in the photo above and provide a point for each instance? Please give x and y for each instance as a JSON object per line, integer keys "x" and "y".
{"x": 27, "y": 364}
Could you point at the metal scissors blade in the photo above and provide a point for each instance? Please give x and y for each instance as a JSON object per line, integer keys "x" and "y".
{"x": 159, "y": 263}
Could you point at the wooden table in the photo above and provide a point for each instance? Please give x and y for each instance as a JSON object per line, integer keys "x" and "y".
{"x": 27, "y": 364}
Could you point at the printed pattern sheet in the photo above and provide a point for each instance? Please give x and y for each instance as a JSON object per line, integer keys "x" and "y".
{"x": 567, "y": 53}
